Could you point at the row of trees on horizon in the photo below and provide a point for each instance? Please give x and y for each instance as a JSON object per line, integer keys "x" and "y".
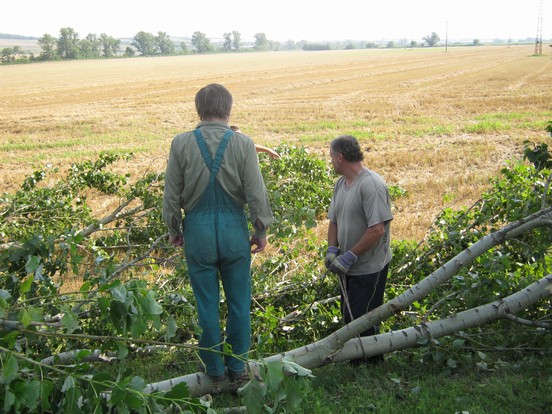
{"x": 68, "y": 46}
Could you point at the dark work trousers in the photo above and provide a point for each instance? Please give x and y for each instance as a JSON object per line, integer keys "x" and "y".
{"x": 364, "y": 293}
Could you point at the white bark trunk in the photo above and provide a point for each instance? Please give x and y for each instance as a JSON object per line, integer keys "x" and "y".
{"x": 406, "y": 338}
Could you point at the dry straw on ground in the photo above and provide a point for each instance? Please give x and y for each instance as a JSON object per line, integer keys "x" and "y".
{"x": 436, "y": 123}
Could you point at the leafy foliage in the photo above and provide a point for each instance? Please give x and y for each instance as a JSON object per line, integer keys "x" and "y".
{"x": 132, "y": 286}
{"x": 300, "y": 187}
{"x": 520, "y": 191}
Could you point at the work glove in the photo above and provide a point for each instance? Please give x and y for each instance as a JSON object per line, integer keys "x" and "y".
{"x": 331, "y": 254}
{"x": 342, "y": 263}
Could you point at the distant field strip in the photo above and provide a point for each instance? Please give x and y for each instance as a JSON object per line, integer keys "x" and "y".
{"x": 436, "y": 123}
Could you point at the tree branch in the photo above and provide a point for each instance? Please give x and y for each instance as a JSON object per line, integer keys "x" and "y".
{"x": 526, "y": 322}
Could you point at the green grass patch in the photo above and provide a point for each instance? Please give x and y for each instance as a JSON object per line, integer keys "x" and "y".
{"x": 486, "y": 127}
{"x": 403, "y": 386}
{"x": 505, "y": 121}
{"x": 400, "y": 385}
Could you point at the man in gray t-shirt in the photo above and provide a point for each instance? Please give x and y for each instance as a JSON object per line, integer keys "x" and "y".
{"x": 358, "y": 233}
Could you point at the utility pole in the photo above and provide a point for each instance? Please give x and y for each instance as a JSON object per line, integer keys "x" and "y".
{"x": 538, "y": 40}
{"x": 446, "y": 37}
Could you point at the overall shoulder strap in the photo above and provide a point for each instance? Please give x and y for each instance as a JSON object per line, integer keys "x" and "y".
{"x": 213, "y": 165}
{"x": 220, "y": 152}
{"x": 203, "y": 148}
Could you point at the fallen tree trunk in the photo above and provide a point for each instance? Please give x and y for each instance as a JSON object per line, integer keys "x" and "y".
{"x": 407, "y": 338}
{"x": 326, "y": 350}
{"x": 200, "y": 384}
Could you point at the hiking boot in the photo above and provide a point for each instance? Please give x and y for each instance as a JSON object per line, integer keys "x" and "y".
{"x": 215, "y": 379}
{"x": 237, "y": 380}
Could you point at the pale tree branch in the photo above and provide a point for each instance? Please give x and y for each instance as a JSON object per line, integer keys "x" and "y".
{"x": 526, "y": 322}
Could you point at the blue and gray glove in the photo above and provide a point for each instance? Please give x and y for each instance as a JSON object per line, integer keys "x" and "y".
{"x": 342, "y": 263}
{"x": 331, "y": 254}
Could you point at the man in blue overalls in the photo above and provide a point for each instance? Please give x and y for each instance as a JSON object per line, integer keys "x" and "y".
{"x": 211, "y": 174}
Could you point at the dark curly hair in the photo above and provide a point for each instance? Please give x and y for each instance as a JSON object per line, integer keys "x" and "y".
{"x": 348, "y": 146}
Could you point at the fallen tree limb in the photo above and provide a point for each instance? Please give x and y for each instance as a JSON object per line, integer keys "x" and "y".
{"x": 199, "y": 383}
{"x": 326, "y": 350}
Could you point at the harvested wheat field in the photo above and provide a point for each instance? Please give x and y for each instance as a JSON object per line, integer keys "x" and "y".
{"x": 438, "y": 124}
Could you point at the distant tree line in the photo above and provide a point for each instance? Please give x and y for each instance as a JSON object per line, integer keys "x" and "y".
{"x": 69, "y": 46}
{"x": 431, "y": 40}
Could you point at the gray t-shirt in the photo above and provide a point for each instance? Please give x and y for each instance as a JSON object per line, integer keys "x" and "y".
{"x": 365, "y": 203}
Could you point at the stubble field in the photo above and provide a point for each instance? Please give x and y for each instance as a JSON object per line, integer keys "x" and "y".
{"x": 438, "y": 124}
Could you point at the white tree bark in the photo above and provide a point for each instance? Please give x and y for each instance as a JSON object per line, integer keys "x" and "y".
{"x": 406, "y": 338}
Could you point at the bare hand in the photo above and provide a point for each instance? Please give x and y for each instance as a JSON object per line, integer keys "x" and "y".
{"x": 177, "y": 241}
{"x": 259, "y": 242}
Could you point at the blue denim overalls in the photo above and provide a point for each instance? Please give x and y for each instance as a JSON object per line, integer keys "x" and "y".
{"x": 217, "y": 241}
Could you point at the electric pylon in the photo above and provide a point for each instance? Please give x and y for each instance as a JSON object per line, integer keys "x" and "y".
{"x": 538, "y": 41}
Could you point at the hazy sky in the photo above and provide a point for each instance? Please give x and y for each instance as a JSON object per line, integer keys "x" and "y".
{"x": 312, "y": 20}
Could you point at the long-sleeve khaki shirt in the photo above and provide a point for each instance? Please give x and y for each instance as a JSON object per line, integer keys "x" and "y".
{"x": 187, "y": 176}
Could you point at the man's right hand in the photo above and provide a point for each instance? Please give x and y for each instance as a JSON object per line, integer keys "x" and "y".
{"x": 260, "y": 242}
{"x": 331, "y": 254}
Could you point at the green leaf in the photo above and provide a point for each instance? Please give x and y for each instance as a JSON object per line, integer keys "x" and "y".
{"x": 139, "y": 326}
{"x": 70, "y": 322}
{"x": 103, "y": 303}
{"x": 179, "y": 392}
{"x": 451, "y": 363}
{"x": 71, "y": 401}
{"x": 46, "y": 388}
{"x": 9, "y": 369}
{"x": 458, "y": 343}
{"x": 26, "y": 285}
{"x": 28, "y": 394}
{"x": 122, "y": 351}
{"x": 152, "y": 307}
{"x": 85, "y": 287}
{"x": 75, "y": 261}
{"x": 137, "y": 383}
{"x": 295, "y": 390}
{"x": 294, "y": 368}
{"x": 119, "y": 293}
{"x": 102, "y": 381}
{"x": 31, "y": 314}
{"x": 82, "y": 354}
{"x": 9, "y": 400}
{"x": 132, "y": 399}
{"x": 171, "y": 328}
{"x": 253, "y": 397}
{"x": 68, "y": 384}
{"x": 10, "y": 339}
{"x": 273, "y": 375}
{"x": 33, "y": 262}
{"x": 25, "y": 317}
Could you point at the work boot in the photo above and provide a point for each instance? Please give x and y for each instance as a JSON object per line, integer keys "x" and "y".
{"x": 237, "y": 380}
